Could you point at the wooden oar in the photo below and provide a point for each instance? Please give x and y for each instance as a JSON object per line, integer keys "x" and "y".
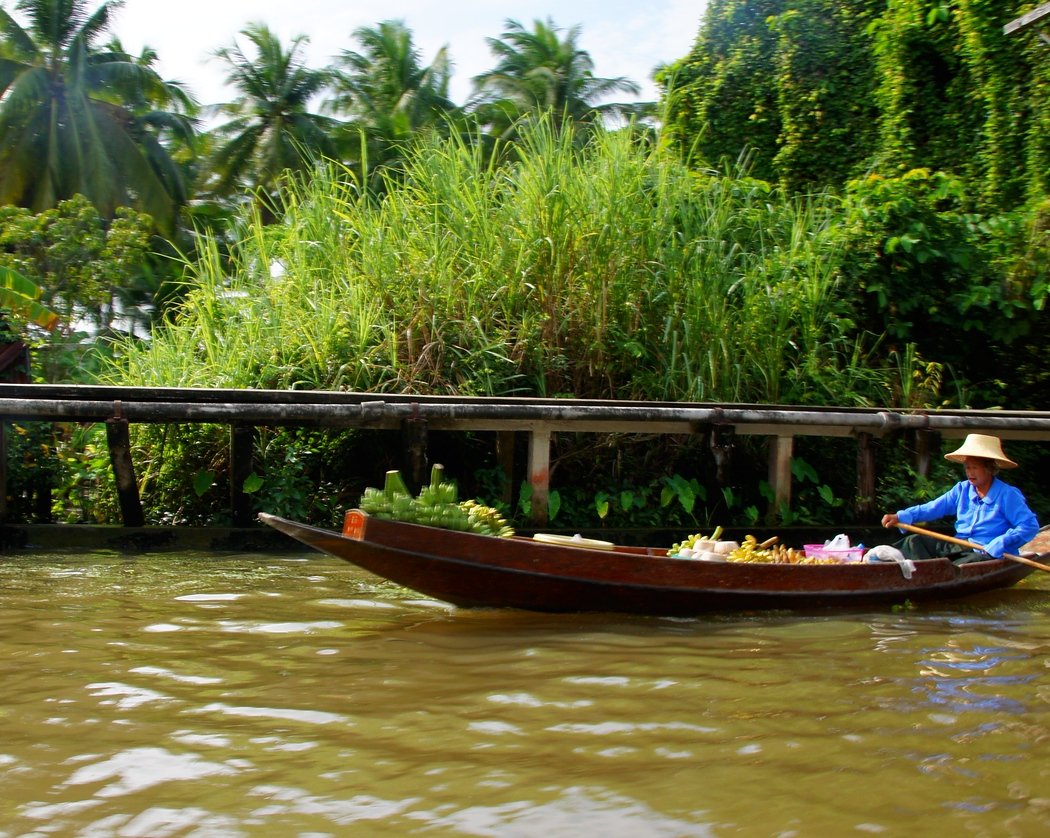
{"x": 951, "y": 539}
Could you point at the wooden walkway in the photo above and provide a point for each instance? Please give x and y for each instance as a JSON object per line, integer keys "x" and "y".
{"x": 414, "y": 416}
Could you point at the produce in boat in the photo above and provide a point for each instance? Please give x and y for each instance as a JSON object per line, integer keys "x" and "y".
{"x": 564, "y": 574}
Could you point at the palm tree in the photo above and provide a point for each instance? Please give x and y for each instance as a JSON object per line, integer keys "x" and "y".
{"x": 169, "y": 116}
{"x": 271, "y": 129}
{"x": 539, "y": 71}
{"x": 79, "y": 118}
{"x": 389, "y": 93}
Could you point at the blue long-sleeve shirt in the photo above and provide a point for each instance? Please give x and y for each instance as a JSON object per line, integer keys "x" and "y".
{"x": 1001, "y": 520}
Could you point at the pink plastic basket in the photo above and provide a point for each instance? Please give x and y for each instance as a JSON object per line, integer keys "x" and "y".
{"x": 819, "y": 551}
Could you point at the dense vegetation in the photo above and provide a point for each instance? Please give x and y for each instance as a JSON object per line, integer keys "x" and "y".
{"x": 842, "y": 203}
{"x": 823, "y": 91}
{"x": 599, "y": 270}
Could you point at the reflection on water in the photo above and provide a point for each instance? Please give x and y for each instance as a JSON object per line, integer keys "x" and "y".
{"x": 251, "y": 695}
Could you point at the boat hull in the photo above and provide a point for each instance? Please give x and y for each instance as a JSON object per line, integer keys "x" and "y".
{"x": 472, "y": 570}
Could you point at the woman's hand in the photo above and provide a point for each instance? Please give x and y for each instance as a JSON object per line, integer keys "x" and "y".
{"x": 890, "y": 520}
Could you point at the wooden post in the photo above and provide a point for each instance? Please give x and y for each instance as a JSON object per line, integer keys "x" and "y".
{"x": 865, "y": 505}
{"x": 781, "y": 450}
{"x": 242, "y": 455}
{"x": 924, "y": 444}
{"x": 721, "y": 444}
{"x": 505, "y": 458}
{"x": 42, "y": 500}
{"x": 3, "y": 472}
{"x": 119, "y": 441}
{"x": 540, "y": 472}
{"x": 414, "y": 452}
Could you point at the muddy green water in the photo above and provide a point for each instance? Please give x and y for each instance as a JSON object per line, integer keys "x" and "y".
{"x": 185, "y": 694}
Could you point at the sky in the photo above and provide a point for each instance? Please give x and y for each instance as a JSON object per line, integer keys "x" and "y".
{"x": 623, "y": 37}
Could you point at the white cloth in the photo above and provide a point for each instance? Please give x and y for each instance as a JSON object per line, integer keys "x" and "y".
{"x": 889, "y": 553}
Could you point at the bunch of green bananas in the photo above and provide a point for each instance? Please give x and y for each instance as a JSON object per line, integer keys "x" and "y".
{"x": 486, "y": 520}
{"x": 435, "y": 506}
{"x": 381, "y": 503}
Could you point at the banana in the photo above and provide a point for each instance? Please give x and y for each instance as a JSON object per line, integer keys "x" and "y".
{"x": 751, "y": 551}
{"x": 436, "y": 505}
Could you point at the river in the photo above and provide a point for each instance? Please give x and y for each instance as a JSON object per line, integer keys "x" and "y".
{"x": 186, "y": 694}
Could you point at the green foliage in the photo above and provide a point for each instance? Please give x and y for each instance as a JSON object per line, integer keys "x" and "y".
{"x": 923, "y": 82}
{"x": 89, "y": 272}
{"x": 899, "y": 483}
{"x": 958, "y": 94}
{"x": 33, "y": 470}
{"x": 918, "y": 382}
{"x": 821, "y": 91}
{"x": 602, "y": 271}
{"x": 537, "y": 72}
{"x": 80, "y": 118}
{"x": 289, "y": 490}
{"x": 270, "y": 128}
{"x": 607, "y": 270}
{"x": 935, "y": 276}
{"x": 525, "y": 501}
{"x": 823, "y": 87}
{"x": 84, "y": 491}
{"x": 724, "y": 96}
{"x": 789, "y": 81}
{"x": 390, "y": 97}
{"x": 737, "y": 508}
{"x": 813, "y": 501}
{"x": 679, "y": 502}
{"x": 80, "y": 261}
{"x": 169, "y": 463}
{"x": 184, "y": 474}
{"x": 20, "y": 296}
{"x": 687, "y": 491}
{"x": 295, "y": 475}
{"x": 672, "y": 501}
{"x": 202, "y": 482}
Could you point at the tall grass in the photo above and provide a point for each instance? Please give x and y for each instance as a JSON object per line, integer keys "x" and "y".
{"x": 604, "y": 269}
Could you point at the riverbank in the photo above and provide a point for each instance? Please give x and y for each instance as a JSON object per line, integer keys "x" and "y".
{"x": 84, "y": 537}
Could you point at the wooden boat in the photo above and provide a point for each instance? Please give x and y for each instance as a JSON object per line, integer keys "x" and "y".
{"x": 472, "y": 570}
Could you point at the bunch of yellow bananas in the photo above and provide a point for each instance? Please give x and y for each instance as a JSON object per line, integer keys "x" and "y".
{"x": 768, "y": 552}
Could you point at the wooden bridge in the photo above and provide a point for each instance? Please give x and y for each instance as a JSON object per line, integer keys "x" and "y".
{"x": 413, "y": 416}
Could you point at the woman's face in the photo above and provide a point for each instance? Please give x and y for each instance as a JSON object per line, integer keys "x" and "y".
{"x": 979, "y": 472}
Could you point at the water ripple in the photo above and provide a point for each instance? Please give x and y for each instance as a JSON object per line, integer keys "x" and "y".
{"x": 141, "y": 768}
{"x": 312, "y": 717}
{"x": 129, "y": 697}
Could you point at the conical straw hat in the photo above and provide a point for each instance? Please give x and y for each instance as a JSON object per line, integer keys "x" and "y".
{"x": 981, "y": 445}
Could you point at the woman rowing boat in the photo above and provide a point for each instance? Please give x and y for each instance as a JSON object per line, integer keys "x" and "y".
{"x": 987, "y": 510}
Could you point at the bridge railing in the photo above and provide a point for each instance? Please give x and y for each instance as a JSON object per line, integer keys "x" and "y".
{"x": 414, "y": 416}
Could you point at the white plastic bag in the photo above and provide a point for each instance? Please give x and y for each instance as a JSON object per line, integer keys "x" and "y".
{"x": 839, "y": 542}
{"x": 888, "y": 553}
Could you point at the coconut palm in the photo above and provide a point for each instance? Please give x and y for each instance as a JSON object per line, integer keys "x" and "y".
{"x": 78, "y": 117}
{"x": 538, "y": 70}
{"x": 169, "y": 112}
{"x": 389, "y": 93}
{"x": 271, "y": 129}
